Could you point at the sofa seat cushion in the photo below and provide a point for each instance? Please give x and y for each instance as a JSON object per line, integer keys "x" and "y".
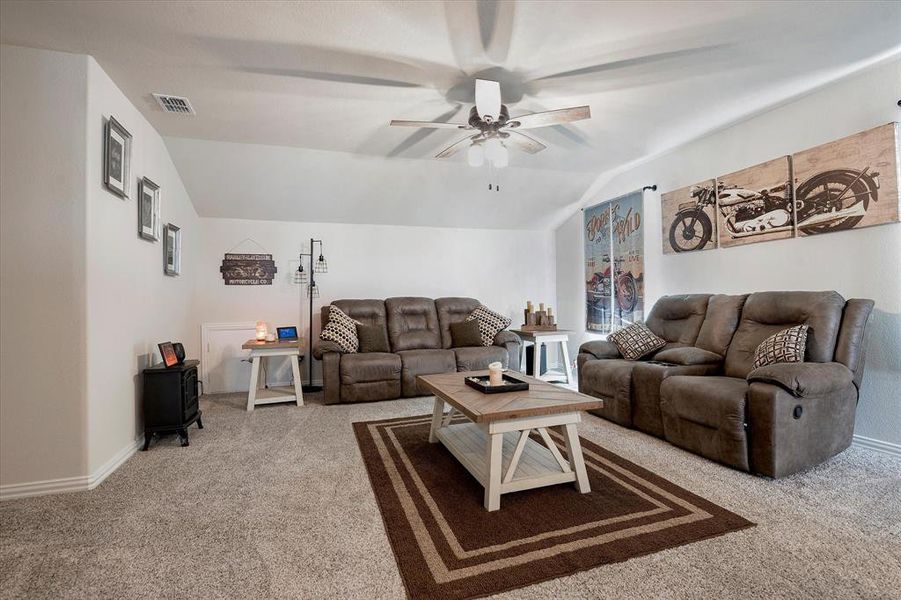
{"x": 647, "y": 377}
{"x": 369, "y": 367}
{"x": 611, "y": 380}
{"x": 478, "y": 358}
{"x": 706, "y": 415}
{"x": 423, "y": 362}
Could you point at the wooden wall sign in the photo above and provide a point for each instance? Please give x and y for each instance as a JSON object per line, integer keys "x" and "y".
{"x": 248, "y": 269}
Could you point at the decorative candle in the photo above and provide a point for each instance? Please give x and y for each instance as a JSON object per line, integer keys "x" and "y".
{"x": 529, "y": 305}
{"x": 261, "y": 331}
{"x": 540, "y": 306}
{"x": 494, "y": 373}
{"x": 550, "y": 312}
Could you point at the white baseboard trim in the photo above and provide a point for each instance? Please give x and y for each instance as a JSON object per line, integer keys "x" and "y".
{"x": 877, "y": 445}
{"x": 71, "y": 484}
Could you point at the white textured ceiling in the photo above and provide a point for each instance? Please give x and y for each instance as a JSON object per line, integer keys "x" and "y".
{"x": 328, "y": 76}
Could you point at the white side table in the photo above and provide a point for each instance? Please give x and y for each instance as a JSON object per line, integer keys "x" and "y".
{"x": 261, "y": 350}
{"x": 543, "y": 338}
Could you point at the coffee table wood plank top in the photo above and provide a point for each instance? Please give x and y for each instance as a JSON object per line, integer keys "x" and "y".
{"x": 496, "y": 446}
{"x": 540, "y": 399}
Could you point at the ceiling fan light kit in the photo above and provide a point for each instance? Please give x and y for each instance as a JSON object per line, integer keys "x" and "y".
{"x": 497, "y": 132}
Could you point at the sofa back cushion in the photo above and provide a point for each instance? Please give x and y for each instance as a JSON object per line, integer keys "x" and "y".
{"x": 678, "y": 319}
{"x": 851, "y": 344}
{"x": 767, "y": 313}
{"x": 452, "y": 310}
{"x": 720, "y": 323}
{"x": 367, "y": 312}
{"x": 412, "y": 324}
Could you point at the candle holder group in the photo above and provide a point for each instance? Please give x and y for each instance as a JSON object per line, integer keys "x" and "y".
{"x": 538, "y": 320}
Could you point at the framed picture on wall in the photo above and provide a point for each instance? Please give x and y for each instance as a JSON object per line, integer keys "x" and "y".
{"x": 689, "y": 218}
{"x": 755, "y": 204}
{"x": 172, "y": 249}
{"x": 116, "y": 157}
{"x": 148, "y": 209}
{"x": 848, "y": 183}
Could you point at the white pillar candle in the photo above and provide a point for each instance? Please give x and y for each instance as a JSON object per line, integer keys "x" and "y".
{"x": 495, "y": 370}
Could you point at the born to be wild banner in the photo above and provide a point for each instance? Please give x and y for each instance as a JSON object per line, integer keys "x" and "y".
{"x": 614, "y": 263}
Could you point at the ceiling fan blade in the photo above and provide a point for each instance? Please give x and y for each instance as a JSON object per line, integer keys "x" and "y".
{"x": 521, "y": 141}
{"x": 456, "y": 147}
{"x": 550, "y": 117}
{"x": 488, "y": 99}
{"x": 422, "y": 133}
{"x": 428, "y": 124}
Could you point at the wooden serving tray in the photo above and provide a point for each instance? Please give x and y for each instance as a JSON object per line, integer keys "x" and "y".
{"x": 480, "y": 382}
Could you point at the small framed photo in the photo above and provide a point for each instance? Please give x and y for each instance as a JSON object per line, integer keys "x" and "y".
{"x": 116, "y": 157}
{"x": 172, "y": 249}
{"x": 167, "y": 352}
{"x": 148, "y": 209}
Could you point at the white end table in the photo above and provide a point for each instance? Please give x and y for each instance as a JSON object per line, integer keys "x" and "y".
{"x": 543, "y": 338}
{"x": 261, "y": 350}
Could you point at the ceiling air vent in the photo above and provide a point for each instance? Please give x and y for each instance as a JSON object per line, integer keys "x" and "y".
{"x": 175, "y": 104}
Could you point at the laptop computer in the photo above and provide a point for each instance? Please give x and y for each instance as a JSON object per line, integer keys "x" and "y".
{"x": 287, "y": 334}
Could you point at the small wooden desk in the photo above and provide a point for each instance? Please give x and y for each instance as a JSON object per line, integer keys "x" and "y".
{"x": 543, "y": 338}
{"x": 495, "y": 446}
{"x": 261, "y": 350}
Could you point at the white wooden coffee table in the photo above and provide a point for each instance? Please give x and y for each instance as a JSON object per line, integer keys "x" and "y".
{"x": 495, "y": 444}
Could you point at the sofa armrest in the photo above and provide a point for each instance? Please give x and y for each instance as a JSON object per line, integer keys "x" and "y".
{"x": 805, "y": 379}
{"x": 600, "y": 349}
{"x": 688, "y": 356}
{"x": 325, "y": 346}
{"x": 513, "y": 345}
{"x": 506, "y": 337}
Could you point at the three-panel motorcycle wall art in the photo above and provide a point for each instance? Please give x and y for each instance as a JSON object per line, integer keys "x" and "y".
{"x": 846, "y": 184}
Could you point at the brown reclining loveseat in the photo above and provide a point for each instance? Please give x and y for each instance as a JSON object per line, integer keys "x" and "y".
{"x": 418, "y": 330}
{"x": 701, "y": 393}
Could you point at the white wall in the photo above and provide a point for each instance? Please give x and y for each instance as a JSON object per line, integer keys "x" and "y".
{"x": 84, "y": 299}
{"x": 864, "y": 263}
{"x": 42, "y": 265}
{"x": 132, "y": 304}
{"x": 501, "y": 268}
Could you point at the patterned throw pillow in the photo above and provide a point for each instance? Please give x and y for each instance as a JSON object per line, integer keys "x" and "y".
{"x": 636, "y": 341}
{"x": 787, "y": 346}
{"x": 490, "y": 323}
{"x": 341, "y": 329}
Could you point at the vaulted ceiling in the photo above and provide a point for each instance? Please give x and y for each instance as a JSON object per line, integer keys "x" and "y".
{"x": 313, "y": 85}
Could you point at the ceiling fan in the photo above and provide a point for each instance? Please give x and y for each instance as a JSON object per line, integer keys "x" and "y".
{"x": 496, "y": 130}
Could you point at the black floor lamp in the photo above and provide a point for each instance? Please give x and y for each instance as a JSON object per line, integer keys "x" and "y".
{"x": 300, "y": 277}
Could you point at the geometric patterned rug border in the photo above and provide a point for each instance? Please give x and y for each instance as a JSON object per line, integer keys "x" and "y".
{"x": 448, "y": 547}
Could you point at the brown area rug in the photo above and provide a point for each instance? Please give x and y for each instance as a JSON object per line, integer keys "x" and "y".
{"x": 448, "y": 546}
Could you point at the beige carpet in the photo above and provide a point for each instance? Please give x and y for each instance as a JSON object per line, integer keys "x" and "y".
{"x": 277, "y": 504}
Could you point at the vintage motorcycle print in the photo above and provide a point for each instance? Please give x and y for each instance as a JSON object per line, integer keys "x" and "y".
{"x": 848, "y": 183}
{"x": 830, "y": 201}
{"x": 689, "y": 218}
{"x": 625, "y": 289}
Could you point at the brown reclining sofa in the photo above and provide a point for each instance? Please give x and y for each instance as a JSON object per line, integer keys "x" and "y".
{"x": 702, "y": 393}
{"x": 418, "y": 331}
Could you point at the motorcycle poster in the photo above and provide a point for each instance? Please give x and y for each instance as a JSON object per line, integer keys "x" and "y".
{"x": 755, "y": 204}
{"x": 849, "y": 183}
{"x": 598, "y": 294}
{"x": 627, "y": 227}
{"x": 689, "y": 218}
{"x": 614, "y": 263}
